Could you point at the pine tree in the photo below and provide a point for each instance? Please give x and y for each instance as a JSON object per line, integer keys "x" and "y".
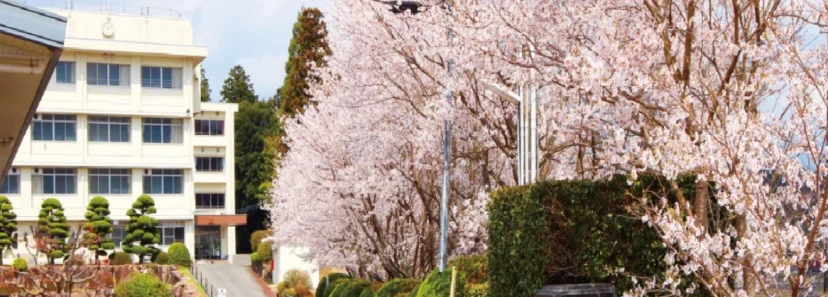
{"x": 52, "y": 227}
{"x": 309, "y": 44}
{"x": 97, "y": 227}
{"x": 142, "y": 229}
{"x": 237, "y": 87}
{"x": 205, "y": 86}
{"x": 8, "y": 224}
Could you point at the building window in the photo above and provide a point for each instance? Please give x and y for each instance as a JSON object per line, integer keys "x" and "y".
{"x": 11, "y": 185}
{"x": 163, "y": 130}
{"x": 117, "y": 236}
{"x": 99, "y": 74}
{"x": 209, "y": 201}
{"x": 54, "y": 181}
{"x": 54, "y": 127}
{"x": 215, "y": 164}
{"x": 170, "y": 235}
{"x": 65, "y": 72}
{"x": 164, "y": 181}
{"x": 109, "y": 181}
{"x": 209, "y": 127}
{"x": 161, "y": 77}
{"x": 108, "y": 129}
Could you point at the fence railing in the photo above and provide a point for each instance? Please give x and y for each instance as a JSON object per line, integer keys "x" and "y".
{"x": 105, "y": 7}
{"x": 203, "y": 282}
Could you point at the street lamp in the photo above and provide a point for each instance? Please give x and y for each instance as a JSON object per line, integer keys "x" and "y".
{"x": 397, "y": 7}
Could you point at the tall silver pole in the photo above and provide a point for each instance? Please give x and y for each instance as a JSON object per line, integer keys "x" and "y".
{"x": 444, "y": 204}
{"x": 446, "y": 159}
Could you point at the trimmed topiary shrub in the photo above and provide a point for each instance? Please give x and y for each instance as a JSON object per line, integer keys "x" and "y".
{"x": 162, "y": 258}
{"x": 121, "y": 258}
{"x": 439, "y": 284}
{"x": 338, "y": 287}
{"x": 326, "y": 284}
{"x": 265, "y": 251}
{"x": 354, "y": 288}
{"x": 179, "y": 255}
{"x": 367, "y": 292}
{"x": 142, "y": 285}
{"x": 413, "y": 292}
{"x": 397, "y": 286}
{"x": 295, "y": 278}
{"x": 20, "y": 264}
{"x": 256, "y": 238}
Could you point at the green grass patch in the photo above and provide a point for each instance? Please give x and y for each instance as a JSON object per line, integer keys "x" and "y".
{"x": 186, "y": 273}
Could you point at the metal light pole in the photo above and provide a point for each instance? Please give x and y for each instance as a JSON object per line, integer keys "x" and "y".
{"x": 397, "y": 7}
{"x": 527, "y": 142}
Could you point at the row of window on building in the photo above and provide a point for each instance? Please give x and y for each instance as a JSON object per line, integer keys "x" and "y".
{"x": 59, "y": 127}
{"x": 169, "y": 235}
{"x": 114, "y": 181}
{"x": 104, "y": 74}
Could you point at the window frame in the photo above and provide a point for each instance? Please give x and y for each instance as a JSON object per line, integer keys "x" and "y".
{"x": 68, "y": 73}
{"x": 122, "y": 175}
{"x": 164, "y": 230}
{"x": 123, "y": 125}
{"x": 108, "y": 79}
{"x": 163, "y": 127}
{"x": 213, "y": 127}
{"x": 213, "y": 164}
{"x": 163, "y": 176}
{"x": 5, "y": 187}
{"x": 41, "y": 122}
{"x": 165, "y": 77}
{"x": 53, "y": 174}
{"x": 213, "y": 200}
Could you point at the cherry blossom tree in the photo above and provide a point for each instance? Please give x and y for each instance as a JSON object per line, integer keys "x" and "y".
{"x": 733, "y": 92}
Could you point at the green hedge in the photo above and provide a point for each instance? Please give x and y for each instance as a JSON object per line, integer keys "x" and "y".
{"x": 121, "y": 258}
{"x": 162, "y": 259}
{"x": 20, "y": 264}
{"x": 325, "y": 287}
{"x": 584, "y": 227}
{"x": 397, "y": 286}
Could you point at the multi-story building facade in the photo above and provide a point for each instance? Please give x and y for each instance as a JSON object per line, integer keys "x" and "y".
{"x": 122, "y": 117}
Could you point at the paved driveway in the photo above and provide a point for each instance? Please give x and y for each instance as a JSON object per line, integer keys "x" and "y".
{"x": 238, "y": 281}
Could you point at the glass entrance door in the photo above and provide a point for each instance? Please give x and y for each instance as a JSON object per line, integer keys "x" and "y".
{"x": 208, "y": 242}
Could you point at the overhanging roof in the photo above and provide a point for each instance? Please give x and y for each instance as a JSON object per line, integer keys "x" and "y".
{"x": 31, "y": 41}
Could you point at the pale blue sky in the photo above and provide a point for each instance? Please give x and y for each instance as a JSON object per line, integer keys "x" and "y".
{"x": 253, "y": 33}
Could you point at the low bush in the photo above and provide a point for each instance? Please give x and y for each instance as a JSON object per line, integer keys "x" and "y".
{"x": 413, "y": 292}
{"x": 256, "y": 238}
{"x": 354, "y": 288}
{"x": 265, "y": 251}
{"x": 254, "y": 258}
{"x": 20, "y": 264}
{"x": 477, "y": 290}
{"x": 438, "y": 284}
{"x": 142, "y": 285}
{"x": 338, "y": 287}
{"x": 326, "y": 284}
{"x": 179, "y": 255}
{"x": 121, "y": 258}
{"x": 397, "y": 286}
{"x": 295, "y": 278}
{"x": 162, "y": 259}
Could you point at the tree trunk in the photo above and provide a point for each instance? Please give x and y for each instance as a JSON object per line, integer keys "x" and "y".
{"x": 701, "y": 201}
{"x": 748, "y": 279}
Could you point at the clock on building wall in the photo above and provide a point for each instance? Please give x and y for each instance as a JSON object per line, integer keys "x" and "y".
{"x": 108, "y": 29}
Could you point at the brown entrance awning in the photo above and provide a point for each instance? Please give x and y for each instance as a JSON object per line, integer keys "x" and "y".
{"x": 221, "y": 220}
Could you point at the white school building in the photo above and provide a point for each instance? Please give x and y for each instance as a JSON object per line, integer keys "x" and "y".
{"x": 120, "y": 117}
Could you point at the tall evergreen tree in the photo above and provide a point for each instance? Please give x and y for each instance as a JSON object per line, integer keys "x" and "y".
{"x": 205, "y": 86}
{"x": 308, "y": 45}
{"x": 8, "y": 224}
{"x": 142, "y": 229}
{"x": 97, "y": 226}
{"x": 53, "y": 229}
{"x": 237, "y": 87}
{"x": 256, "y": 129}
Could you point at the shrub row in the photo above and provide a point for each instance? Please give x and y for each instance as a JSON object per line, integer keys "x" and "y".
{"x": 573, "y": 232}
